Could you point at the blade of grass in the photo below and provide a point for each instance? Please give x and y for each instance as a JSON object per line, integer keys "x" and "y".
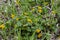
{"x": 32, "y": 37}
{"x": 19, "y": 35}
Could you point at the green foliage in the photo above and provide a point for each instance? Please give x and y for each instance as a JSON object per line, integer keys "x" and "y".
{"x": 21, "y": 18}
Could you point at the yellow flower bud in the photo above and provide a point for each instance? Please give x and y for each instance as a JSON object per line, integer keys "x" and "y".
{"x": 39, "y": 7}
{"x": 29, "y": 20}
{"x": 2, "y": 26}
{"x": 53, "y": 12}
{"x": 40, "y": 11}
{"x": 12, "y": 16}
{"x": 33, "y": 9}
{"x": 25, "y": 13}
{"x": 39, "y": 35}
{"x": 38, "y": 30}
{"x": 17, "y": 19}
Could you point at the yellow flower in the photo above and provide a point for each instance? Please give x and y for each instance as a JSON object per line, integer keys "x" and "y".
{"x": 17, "y": 19}
{"x": 40, "y": 11}
{"x": 29, "y": 20}
{"x": 38, "y": 30}
{"x": 12, "y": 16}
{"x": 39, "y": 35}
{"x": 39, "y": 7}
{"x": 53, "y": 12}
{"x": 2, "y": 26}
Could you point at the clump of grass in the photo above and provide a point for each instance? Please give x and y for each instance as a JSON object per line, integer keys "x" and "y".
{"x": 29, "y": 19}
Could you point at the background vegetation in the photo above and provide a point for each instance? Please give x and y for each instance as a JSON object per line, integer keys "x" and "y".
{"x": 29, "y": 19}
